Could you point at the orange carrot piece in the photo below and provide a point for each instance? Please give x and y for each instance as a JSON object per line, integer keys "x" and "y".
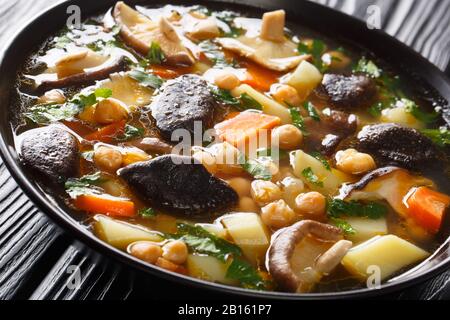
{"x": 167, "y": 72}
{"x": 244, "y": 126}
{"x": 107, "y": 134}
{"x": 259, "y": 77}
{"x": 427, "y": 208}
{"x": 107, "y": 205}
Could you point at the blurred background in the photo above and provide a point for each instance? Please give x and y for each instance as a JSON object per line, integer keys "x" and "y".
{"x": 36, "y": 257}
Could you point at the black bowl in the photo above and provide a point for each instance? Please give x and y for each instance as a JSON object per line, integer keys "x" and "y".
{"x": 331, "y": 23}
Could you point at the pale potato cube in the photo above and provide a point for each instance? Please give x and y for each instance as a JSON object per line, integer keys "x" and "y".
{"x": 305, "y": 79}
{"x": 389, "y": 253}
{"x": 269, "y": 106}
{"x": 249, "y": 233}
{"x": 209, "y": 268}
{"x": 120, "y": 234}
{"x": 366, "y": 228}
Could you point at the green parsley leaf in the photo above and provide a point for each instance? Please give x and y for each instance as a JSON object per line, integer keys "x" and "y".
{"x": 103, "y": 93}
{"x": 131, "y": 133}
{"x": 297, "y": 120}
{"x": 312, "y": 112}
{"x": 343, "y": 225}
{"x": 441, "y": 136}
{"x": 255, "y": 167}
{"x": 368, "y": 67}
{"x": 147, "y": 213}
{"x": 275, "y": 154}
{"x": 155, "y": 54}
{"x": 146, "y": 79}
{"x": 214, "y": 53}
{"x": 247, "y": 102}
{"x": 248, "y": 276}
{"x": 337, "y": 208}
{"x": 411, "y": 107}
{"x": 87, "y": 184}
{"x": 311, "y": 177}
{"x": 203, "y": 242}
{"x": 322, "y": 159}
{"x": 224, "y": 96}
{"x": 48, "y": 113}
{"x": 316, "y": 50}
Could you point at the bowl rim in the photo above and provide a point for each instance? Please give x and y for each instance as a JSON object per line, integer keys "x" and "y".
{"x": 80, "y": 232}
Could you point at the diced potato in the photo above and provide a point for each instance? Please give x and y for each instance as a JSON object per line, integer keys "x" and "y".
{"x": 209, "y": 268}
{"x": 214, "y": 228}
{"x": 269, "y": 106}
{"x": 301, "y": 161}
{"x": 390, "y": 253}
{"x": 120, "y": 234}
{"x": 249, "y": 233}
{"x": 366, "y": 228}
{"x": 305, "y": 79}
{"x": 401, "y": 116}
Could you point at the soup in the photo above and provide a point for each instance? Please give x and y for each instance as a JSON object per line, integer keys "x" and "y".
{"x": 231, "y": 149}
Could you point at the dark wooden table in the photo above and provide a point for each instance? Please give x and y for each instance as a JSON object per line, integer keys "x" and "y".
{"x": 35, "y": 256}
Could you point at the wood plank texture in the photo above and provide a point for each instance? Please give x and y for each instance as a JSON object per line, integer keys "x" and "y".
{"x": 35, "y": 255}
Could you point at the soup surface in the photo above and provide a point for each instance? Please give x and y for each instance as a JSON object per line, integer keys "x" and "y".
{"x": 234, "y": 150}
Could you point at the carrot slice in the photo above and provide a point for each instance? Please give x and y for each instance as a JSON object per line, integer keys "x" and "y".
{"x": 107, "y": 134}
{"x": 245, "y": 126}
{"x": 107, "y": 205}
{"x": 167, "y": 72}
{"x": 427, "y": 208}
{"x": 260, "y": 78}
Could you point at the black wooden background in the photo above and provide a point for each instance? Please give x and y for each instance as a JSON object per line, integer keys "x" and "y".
{"x": 36, "y": 256}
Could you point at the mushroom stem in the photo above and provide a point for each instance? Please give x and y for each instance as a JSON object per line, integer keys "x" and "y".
{"x": 332, "y": 257}
{"x": 272, "y": 28}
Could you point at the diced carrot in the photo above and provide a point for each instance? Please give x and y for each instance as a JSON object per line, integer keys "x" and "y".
{"x": 427, "y": 208}
{"x": 107, "y": 134}
{"x": 245, "y": 126}
{"x": 78, "y": 127}
{"x": 108, "y": 205}
{"x": 260, "y": 78}
{"x": 167, "y": 72}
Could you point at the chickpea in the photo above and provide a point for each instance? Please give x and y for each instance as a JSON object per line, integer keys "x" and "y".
{"x": 107, "y": 158}
{"x": 264, "y": 192}
{"x": 285, "y": 93}
{"x": 247, "y": 204}
{"x": 53, "y": 96}
{"x": 167, "y": 265}
{"x": 354, "y": 162}
{"x": 226, "y": 80}
{"x": 207, "y": 159}
{"x": 175, "y": 251}
{"x": 277, "y": 215}
{"x": 242, "y": 186}
{"x": 287, "y": 136}
{"x": 312, "y": 204}
{"x": 110, "y": 110}
{"x": 146, "y": 251}
{"x": 292, "y": 187}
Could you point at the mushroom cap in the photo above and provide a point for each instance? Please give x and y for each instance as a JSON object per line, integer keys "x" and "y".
{"x": 283, "y": 245}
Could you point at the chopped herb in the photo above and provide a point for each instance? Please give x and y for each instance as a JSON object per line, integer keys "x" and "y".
{"x": 297, "y": 120}
{"x": 62, "y": 41}
{"x": 256, "y": 167}
{"x": 247, "y": 102}
{"x": 48, "y": 113}
{"x": 413, "y": 109}
{"x": 87, "y": 184}
{"x": 224, "y": 96}
{"x": 103, "y": 93}
{"x": 275, "y": 154}
{"x": 316, "y": 49}
{"x": 343, "y": 225}
{"x": 155, "y": 54}
{"x": 201, "y": 241}
{"x": 247, "y": 275}
{"x": 337, "y": 208}
{"x": 312, "y": 112}
{"x": 214, "y": 53}
{"x": 88, "y": 155}
{"x": 311, "y": 177}
{"x": 131, "y": 133}
{"x": 369, "y": 67}
{"x": 147, "y": 213}
{"x": 146, "y": 79}
{"x": 441, "y": 136}
{"x": 322, "y": 159}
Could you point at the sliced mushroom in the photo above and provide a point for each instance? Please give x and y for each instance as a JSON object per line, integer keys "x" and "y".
{"x": 199, "y": 27}
{"x": 304, "y": 252}
{"x": 182, "y": 103}
{"x": 152, "y": 145}
{"x": 50, "y": 152}
{"x": 390, "y": 183}
{"x": 271, "y": 48}
{"x": 392, "y": 144}
{"x": 139, "y": 32}
{"x": 80, "y": 67}
{"x": 179, "y": 184}
{"x": 348, "y": 92}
